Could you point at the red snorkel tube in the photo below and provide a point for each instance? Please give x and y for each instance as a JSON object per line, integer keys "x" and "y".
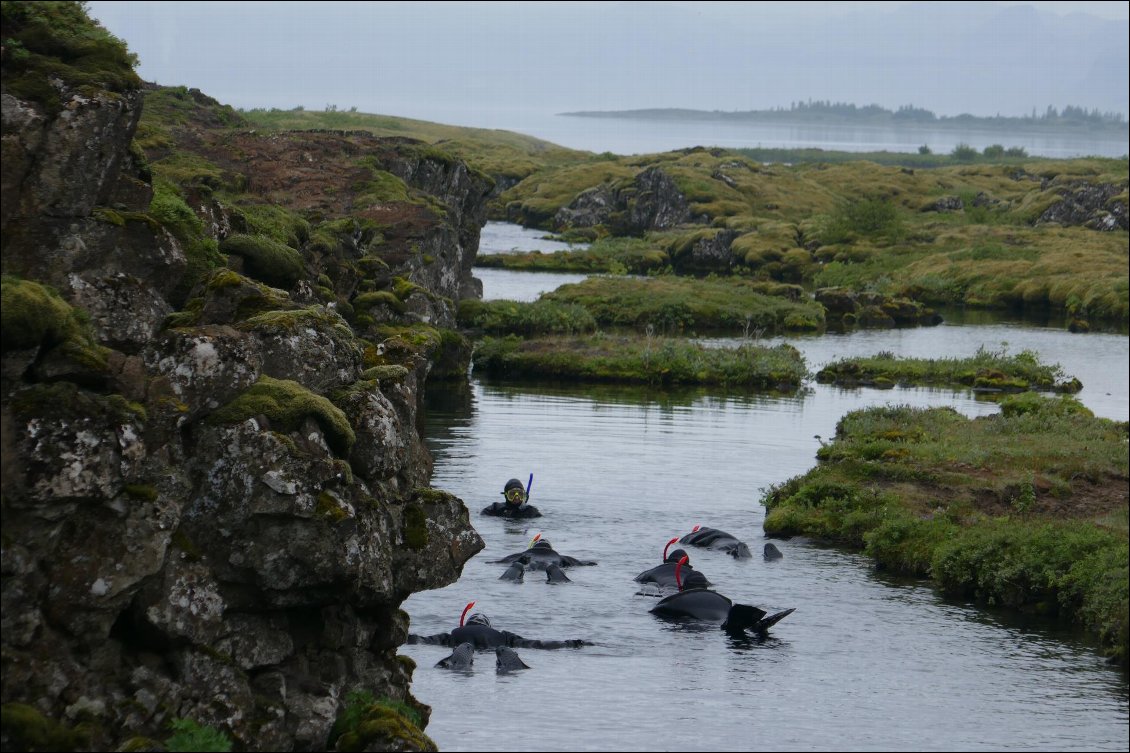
{"x": 669, "y": 543}
{"x": 678, "y": 568}
{"x": 466, "y": 609}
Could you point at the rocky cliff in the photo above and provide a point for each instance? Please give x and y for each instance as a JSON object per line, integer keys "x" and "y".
{"x": 214, "y": 496}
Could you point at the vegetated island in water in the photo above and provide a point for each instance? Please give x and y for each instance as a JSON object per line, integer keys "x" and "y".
{"x": 824, "y": 112}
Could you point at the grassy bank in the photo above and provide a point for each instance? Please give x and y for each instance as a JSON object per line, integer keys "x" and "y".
{"x": 640, "y": 360}
{"x": 606, "y": 255}
{"x": 541, "y": 317}
{"x": 986, "y": 370}
{"x": 1026, "y": 509}
{"x": 504, "y": 155}
{"x": 670, "y": 304}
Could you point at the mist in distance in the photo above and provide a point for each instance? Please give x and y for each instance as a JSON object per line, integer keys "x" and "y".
{"x": 491, "y": 64}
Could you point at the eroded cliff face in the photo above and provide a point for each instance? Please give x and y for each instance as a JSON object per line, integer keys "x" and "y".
{"x": 215, "y": 496}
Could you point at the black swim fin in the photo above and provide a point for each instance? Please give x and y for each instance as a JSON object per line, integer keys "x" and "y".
{"x": 741, "y": 617}
{"x": 768, "y": 622}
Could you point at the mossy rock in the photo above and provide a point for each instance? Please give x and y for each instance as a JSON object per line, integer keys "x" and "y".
{"x": 330, "y": 507}
{"x": 391, "y": 373}
{"x": 366, "y": 301}
{"x": 415, "y": 527}
{"x": 287, "y": 404}
{"x": 32, "y": 314}
{"x": 266, "y": 259}
{"x": 36, "y": 316}
{"x": 66, "y": 400}
{"x": 382, "y": 727}
{"x": 25, "y": 728}
{"x": 45, "y": 41}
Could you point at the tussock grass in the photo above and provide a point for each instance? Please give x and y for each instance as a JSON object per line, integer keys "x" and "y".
{"x": 641, "y": 360}
{"x": 987, "y": 369}
{"x": 681, "y": 304}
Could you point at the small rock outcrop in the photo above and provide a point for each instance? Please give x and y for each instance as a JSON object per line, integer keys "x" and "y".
{"x": 849, "y": 308}
{"x": 1092, "y": 205}
{"x": 651, "y": 201}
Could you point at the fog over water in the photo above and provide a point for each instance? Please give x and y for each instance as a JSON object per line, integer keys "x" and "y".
{"x": 512, "y": 65}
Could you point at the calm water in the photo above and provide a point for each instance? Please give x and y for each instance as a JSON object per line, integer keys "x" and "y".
{"x": 865, "y": 663}
{"x": 626, "y": 136}
{"x": 505, "y": 237}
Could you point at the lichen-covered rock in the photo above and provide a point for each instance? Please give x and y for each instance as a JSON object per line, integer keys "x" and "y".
{"x": 657, "y": 204}
{"x": 205, "y": 367}
{"x": 126, "y": 313}
{"x": 591, "y": 207}
{"x": 313, "y": 346}
{"x": 945, "y": 204}
{"x": 1090, "y": 205}
{"x": 709, "y": 253}
{"x": 77, "y": 154}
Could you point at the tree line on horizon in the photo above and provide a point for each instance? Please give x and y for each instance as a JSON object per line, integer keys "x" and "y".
{"x": 1071, "y": 115}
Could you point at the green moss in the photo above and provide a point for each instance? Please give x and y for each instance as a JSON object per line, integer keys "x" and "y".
{"x": 430, "y": 496}
{"x": 366, "y": 723}
{"x": 32, "y": 315}
{"x": 169, "y": 208}
{"x": 608, "y": 255}
{"x": 26, "y": 728}
{"x": 265, "y": 259}
{"x": 192, "y": 736}
{"x": 366, "y": 301}
{"x": 328, "y": 506}
{"x": 392, "y": 373}
{"x": 66, "y": 400}
{"x": 403, "y": 288}
{"x": 44, "y": 40}
{"x": 383, "y": 187}
{"x": 141, "y": 492}
{"x": 415, "y": 527}
{"x": 290, "y": 320}
{"x": 182, "y": 542}
{"x": 274, "y": 222}
{"x": 287, "y": 404}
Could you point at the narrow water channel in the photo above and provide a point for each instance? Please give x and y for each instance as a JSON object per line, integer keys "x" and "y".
{"x": 865, "y": 663}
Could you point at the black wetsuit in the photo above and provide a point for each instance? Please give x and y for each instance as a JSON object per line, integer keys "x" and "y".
{"x": 541, "y": 555}
{"x": 484, "y": 636}
{"x": 505, "y": 510}
{"x": 664, "y": 575}
{"x": 712, "y": 538}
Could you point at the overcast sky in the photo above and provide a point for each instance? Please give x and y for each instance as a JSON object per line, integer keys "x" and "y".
{"x": 482, "y": 63}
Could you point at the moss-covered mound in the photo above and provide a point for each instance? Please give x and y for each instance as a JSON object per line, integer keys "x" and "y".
{"x": 287, "y": 404}
{"x": 368, "y": 723}
{"x": 986, "y": 370}
{"x": 1025, "y": 509}
{"x": 641, "y": 360}
{"x": 683, "y": 304}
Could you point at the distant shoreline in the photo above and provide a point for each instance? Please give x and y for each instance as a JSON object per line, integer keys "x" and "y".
{"x": 1092, "y": 123}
